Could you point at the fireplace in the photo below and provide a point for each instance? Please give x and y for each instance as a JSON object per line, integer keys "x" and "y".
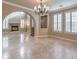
{"x": 14, "y": 28}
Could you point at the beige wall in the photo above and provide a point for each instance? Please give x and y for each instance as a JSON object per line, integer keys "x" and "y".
{"x": 7, "y": 9}
{"x": 72, "y": 36}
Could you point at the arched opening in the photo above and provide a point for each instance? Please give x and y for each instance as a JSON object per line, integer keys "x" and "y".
{"x": 20, "y": 22}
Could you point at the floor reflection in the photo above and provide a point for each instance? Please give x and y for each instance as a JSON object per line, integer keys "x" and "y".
{"x": 22, "y": 38}
{"x": 6, "y": 55}
{"x": 22, "y": 52}
{"x": 23, "y": 46}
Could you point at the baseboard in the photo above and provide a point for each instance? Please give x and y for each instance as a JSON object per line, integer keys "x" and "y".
{"x": 42, "y": 36}
{"x": 58, "y": 37}
{"x": 54, "y": 36}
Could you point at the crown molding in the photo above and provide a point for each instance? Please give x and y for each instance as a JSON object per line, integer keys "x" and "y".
{"x": 16, "y": 5}
{"x": 73, "y": 6}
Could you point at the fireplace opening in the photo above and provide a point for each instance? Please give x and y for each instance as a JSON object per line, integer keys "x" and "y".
{"x": 14, "y": 28}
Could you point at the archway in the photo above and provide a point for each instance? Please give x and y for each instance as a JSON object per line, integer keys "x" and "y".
{"x": 19, "y": 21}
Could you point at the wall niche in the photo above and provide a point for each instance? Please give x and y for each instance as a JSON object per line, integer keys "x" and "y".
{"x": 44, "y": 21}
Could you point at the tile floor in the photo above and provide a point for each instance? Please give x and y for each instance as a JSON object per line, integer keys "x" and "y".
{"x": 22, "y": 46}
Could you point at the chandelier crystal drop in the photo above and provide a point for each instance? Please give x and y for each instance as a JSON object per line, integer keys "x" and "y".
{"x": 41, "y": 9}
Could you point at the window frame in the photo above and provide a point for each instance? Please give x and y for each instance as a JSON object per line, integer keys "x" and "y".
{"x": 57, "y": 30}
{"x": 70, "y": 22}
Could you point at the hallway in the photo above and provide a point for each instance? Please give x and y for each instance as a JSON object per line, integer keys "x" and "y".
{"x": 22, "y": 46}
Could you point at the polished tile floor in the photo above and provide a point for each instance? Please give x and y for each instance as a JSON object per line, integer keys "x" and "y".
{"x": 22, "y": 46}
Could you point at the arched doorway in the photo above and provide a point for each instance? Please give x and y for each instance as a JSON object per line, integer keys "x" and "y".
{"x": 19, "y": 21}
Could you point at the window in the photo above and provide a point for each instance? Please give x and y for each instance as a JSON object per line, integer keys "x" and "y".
{"x": 74, "y": 21}
{"x": 67, "y": 22}
{"x": 5, "y": 24}
{"x": 71, "y": 22}
{"x": 22, "y": 23}
{"x": 57, "y": 22}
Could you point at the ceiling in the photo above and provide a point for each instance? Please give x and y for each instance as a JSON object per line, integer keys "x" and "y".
{"x": 52, "y": 4}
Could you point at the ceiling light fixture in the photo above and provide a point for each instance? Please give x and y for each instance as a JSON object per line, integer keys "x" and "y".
{"x": 41, "y": 9}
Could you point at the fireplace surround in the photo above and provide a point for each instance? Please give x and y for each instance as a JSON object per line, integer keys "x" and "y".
{"x": 14, "y": 28}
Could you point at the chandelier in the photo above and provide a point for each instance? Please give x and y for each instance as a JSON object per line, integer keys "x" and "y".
{"x": 41, "y": 9}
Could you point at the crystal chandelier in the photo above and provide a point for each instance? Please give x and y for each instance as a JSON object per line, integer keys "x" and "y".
{"x": 41, "y": 9}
